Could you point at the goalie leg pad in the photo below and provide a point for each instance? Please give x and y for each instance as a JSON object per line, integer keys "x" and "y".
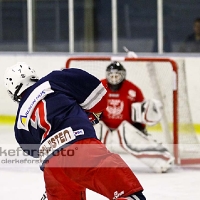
{"x": 102, "y": 132}
{"x": 108, "y": 137}
{"x": 104, "y": 135}
{"x": 150, "y": 152}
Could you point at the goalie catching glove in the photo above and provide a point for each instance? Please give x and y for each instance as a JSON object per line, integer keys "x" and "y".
{"x": 94, "y": 117}
{"x": 148, "y": 112}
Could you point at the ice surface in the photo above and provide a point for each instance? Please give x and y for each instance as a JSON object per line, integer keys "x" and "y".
{"x": 25, "y": 182}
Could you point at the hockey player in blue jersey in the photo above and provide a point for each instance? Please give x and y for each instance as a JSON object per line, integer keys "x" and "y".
{"x": 54, "y": 122}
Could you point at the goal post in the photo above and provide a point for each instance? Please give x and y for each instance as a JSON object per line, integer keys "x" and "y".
{"x": 158, "y": 78}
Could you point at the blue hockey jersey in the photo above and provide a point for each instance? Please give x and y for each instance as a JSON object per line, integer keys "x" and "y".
{"x": 52, "y": 111}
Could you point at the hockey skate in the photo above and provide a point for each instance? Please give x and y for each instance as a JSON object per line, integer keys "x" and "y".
{"x": 136, "y": 196}
{"x": 128, "y": 198}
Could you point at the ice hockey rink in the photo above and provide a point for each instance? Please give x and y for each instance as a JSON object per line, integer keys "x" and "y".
{"x": 25, "y": 181}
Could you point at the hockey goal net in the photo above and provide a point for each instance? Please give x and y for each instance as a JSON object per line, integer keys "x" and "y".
{"x": 163, "y": 79}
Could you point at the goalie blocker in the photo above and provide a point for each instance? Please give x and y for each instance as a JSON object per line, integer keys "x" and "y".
{"x": 130, "y": 140}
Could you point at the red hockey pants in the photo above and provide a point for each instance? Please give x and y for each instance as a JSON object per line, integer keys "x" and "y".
{"x": 88, "y": 164}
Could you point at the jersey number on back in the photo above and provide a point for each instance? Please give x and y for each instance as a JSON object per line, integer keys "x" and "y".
{"x": 39, "y": 118}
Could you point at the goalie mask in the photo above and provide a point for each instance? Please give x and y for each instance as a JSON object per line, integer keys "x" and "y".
{"x": 115, "y": 75}
{"x": 18, "y": 78}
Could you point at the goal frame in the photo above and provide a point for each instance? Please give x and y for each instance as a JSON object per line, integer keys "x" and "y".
{"x": 174, "y": 65}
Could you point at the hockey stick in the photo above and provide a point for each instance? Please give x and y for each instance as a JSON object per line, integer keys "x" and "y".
{"x": 130, "y": 54}
{"x": 157, "y": 94}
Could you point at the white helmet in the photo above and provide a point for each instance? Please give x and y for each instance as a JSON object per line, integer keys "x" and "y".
{"x": 18, "y": 78}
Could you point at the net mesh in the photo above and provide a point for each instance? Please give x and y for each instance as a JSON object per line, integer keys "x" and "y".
{"x": 157, "y": 80}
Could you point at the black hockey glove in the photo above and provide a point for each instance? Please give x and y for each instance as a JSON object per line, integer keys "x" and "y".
{"x": 94, "y": 117}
